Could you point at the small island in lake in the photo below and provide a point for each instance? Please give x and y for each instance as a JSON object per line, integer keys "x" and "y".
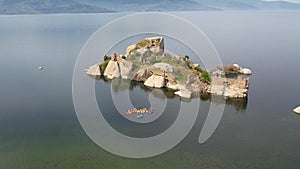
{"x": 148, "y": 63}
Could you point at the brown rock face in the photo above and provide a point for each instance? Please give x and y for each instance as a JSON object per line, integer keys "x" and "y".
{"x": 154, "y": 44}
{"x": 125, "y": 69}
{"x": 142, "y": 75}
{"x": 194, "y": 83}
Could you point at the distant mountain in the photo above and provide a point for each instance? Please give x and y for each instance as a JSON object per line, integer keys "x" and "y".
{"x": 47, "y": 6}
{"x": 100, "y": 6}
{"x": 250, "y": 5}
{"x": 277, "y": 5}
{"x": 231, "y": 4}
{"x": 187, "y": 5}
{"x": 150, "y": 5}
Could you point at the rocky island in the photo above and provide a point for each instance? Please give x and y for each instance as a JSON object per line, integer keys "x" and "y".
{"x": 148, "y": 63}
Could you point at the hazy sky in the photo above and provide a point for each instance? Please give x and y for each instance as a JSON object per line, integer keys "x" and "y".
{"x": 295, "y": 1}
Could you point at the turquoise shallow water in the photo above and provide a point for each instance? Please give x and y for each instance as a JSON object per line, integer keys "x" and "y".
{"x": 39, "y": 127}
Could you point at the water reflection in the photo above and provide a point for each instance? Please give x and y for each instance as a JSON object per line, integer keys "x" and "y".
{"x": 119, "y": 85}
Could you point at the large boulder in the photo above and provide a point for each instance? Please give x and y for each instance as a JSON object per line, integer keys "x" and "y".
{"x": 192, "y": 79}
{"x": 125, "y": 68}
{"x": 235, "y": 92}
{"x": 155, "y": 81}
{"x": 112, "y": 70}
{"x": 232, "y": 69}
{"x": 245, "y": 71}
{"x": 236, "y": 69}
{"x": 93, "y": 70}
{"x": 163, "y": 66}
{"x": 142, "y": 74}
{"x": 194, "y": 83}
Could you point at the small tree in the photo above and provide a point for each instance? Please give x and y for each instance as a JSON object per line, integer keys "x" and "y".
{"x": 103, "y": 65}
{"x": 106, "y": 58}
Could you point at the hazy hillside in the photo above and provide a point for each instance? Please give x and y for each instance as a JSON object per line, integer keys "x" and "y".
{"x": 185, "y": 5}
{"x": 250, "y": 5}
{"x": 99, "y": 6}
{"x": 150, "y": 5}
{"x": 47, "y": 6}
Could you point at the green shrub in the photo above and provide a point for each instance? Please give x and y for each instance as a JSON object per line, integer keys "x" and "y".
{"x": 143, "y": 43}
{"x": 103, "y": 65}
{"x": 198, "y": 68}
{"x": 206, "y": 76}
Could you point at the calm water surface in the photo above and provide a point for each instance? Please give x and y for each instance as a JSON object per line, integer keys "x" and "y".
{"x": 39, "y": 127}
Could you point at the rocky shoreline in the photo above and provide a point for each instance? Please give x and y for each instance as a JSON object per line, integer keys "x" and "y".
{"x": 147, "y": 62}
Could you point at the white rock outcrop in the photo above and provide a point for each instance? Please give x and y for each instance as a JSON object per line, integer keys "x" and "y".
{"x": 112, "y": 70}
{"x": 155, "y": 81}
{"x": 130, "y": 49}
{"x": 93, "y": 70}
{"x": 185, "y": 93}
{"x": 246, "y": 71}
{"x": 176, "y": 86}
{"x": 297, "y": 110}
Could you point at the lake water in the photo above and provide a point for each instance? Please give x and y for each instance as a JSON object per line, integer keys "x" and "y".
{"x": 39, "y": 127}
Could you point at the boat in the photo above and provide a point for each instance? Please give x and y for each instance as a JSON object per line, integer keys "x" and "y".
{"x": 139, "y": 111}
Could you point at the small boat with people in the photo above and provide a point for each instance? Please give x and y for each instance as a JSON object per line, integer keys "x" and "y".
{"x": 139, "y": 112}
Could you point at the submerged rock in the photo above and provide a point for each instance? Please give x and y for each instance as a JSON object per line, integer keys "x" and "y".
{"x": 175, "y": 86}
{"x": 185, "y": 93}
{"x": 297, "y": 110}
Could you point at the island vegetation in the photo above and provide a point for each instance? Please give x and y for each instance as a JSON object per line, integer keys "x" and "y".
{"x": 148, "y": 63}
